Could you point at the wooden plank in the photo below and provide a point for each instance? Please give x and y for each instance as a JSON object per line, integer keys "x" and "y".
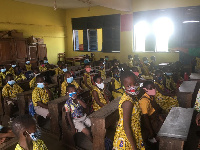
{"x": 101, "y": 120}
{"x": 195, "y": 76}
{"x": 187, "y": 86}
{"x": 177, "y": 123}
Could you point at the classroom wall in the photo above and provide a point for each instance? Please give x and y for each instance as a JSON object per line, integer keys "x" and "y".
{"x": 39, "y": 21}
{"x": 126, "y": 38}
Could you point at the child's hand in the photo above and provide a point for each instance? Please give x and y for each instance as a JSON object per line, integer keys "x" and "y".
{"x": 198, "y": 119}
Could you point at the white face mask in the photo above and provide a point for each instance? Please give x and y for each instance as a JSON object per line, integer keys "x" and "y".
{"x": 101, "y": 86}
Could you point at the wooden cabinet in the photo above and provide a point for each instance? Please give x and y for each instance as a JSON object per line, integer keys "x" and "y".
{"x": 6, "y": 51}
{"x": 42, "y": 51}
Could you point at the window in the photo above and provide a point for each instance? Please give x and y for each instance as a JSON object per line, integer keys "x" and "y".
{"x": 144, "y": 35}
{"x": 99, "y": 33}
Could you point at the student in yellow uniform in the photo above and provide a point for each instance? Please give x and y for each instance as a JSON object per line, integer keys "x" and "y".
{"x": 102, "y": 71}
{"x": 145, "y": 67}
{"x": 130, "y": 61}
{"x": 33, "y": 83}
{"x": 11, "y": 70}
{"x": 19, "y": 76}
{"x": 152, "y": 119}
{"x": 28, "y": 133}
{"x": 87, "y": 80}
{"x": 59, "y": 70}
{"x": 164, "y": 98}
{"x": 128, "y": 134}
{"x": 117, "y": 90}
{"x": 28, "y": 65}
{"x": 41, "y": 95}
{"x": 98, "y": 94}
{"x": 42, "y": 66}
{"x": 68, "y": 79}
{"x": 10, "y": 91}
{"x": 2, "y": 74}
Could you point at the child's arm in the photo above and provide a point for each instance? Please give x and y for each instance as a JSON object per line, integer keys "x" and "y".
{"x": 96, "y": 97}
{"x": 82, "y": 103}
{"x": 127, "y": 113}
{"x": 105, "y": 96}
{"x": 70, "y": 122}
{"x": 149, "y": 126}
{"x": 6, "y": 135}
{"x": 85, "y": 82}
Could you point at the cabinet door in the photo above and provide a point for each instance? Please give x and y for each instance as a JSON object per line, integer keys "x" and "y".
{"x": 21, "y": 49}
{"x": 42, "y": 51}
{"x": 5, "y": 51}
{"x": 32, "y": 52}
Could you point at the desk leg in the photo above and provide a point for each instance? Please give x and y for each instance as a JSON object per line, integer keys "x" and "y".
{"x": 170, "y": 144}
{"x": 21, "y": 104}
{"x": 99, "y": 133}
{"x": 54, "y": 119}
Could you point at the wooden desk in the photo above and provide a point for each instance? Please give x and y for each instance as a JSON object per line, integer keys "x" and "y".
{"x": 186, "y": 93}
{"x": 174, "y": 131}
{"x": 101, "y": 120}
{"x": 195, "y": 77}
{"x": 55, "y": 108}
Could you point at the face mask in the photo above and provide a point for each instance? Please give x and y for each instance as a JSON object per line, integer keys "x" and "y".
{"x": 133, "y": 90}
{"x": 13, "y": 66}
{"x": 131, "y": 58}
{"x": 146, "y": 61}
{"x": 12, "y": 82}
{"x": 88, "y": 69}
{"x": 45, "y": 61}
{"x": 150, "y": 92}
{"x": 101, "y": 86}
{"x": 27, "y": 62}
{"x": 35, "y": 136}
{"x": 69, "y": 80}
{"x": 168, "y": 73}
{"x": 64, "y": 69}
{"x": 72, "y": 94}
{"x": 3, "y": 70}
{"x": 159, "y": 78}
{"x": 117, "y": 75}
{"x": 101, "y": 67}
{"x": 40, "y": 85}
{"x": 136, "y": 73}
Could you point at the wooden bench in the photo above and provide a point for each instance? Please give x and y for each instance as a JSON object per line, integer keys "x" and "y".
{"x": 174, "y": 131}
{"x": 102, "y": 119}
{"x": 187, "y": 94}
{"x": 195, "y": 77}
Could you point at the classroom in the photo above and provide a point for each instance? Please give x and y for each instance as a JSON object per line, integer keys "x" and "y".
{"x": 99, "y": 75}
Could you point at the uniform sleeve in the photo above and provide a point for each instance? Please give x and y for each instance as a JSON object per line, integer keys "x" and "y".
{"x": 35, "y": 97}
{"x": 144, "y": 105}
{"x": 31, "y": 83}
{"x": 63, "y": 89}
{"x": 20, "y": 90}
{"x": 5, "y": 92}
{"x": 67, "y": 107}
{"x": 76, "y": 85}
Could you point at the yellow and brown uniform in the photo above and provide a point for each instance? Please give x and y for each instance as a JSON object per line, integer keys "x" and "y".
{"x": 28, "y": 67}
{"x": 11, "y": 91}
{"x": 40, "y": 95}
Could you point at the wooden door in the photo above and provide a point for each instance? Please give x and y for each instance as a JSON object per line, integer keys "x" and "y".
{"x": 6, "y": 51}
{"x": 32, "y": 54}
{"x": 42, "y": 51}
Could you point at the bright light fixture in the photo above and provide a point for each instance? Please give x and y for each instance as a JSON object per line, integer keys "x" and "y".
{"x": 193, "y": 21}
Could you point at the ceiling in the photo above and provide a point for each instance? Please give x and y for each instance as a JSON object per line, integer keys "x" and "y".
{"x": 66, "y": 4}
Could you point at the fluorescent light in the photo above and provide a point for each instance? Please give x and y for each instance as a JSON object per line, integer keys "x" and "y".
{"x": 115, "y": 51}
{"x": 190, "y": 21}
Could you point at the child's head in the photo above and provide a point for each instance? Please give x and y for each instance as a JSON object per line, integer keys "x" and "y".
{"x": 101, "y": 65}
{"x": 87, "y": 68}
{"x": 13, "y": 64}
{"x": 106, "y": 58}
{"x": 71, "y": 91}
{"x": 45, "y": 60}
{"x": 130, "y": 57}
{"x": 59, "y": 63}
{"x": 158, "y": 75}
{"x": 115, "y": 72}
{"x": 36, "y": 70}
{"x": 145, "y": 60}
{"x": 168, "y": 70}
{"x": 149, "y": 88}
{"x": 68, "y": 77}
{"x": 40, "y": 79}
{"x": 153, "y": 58}
{"x": 24, "y": 127}
{"x": 115, "y": 63}
{"x": 3, "y": 68}
{"x": 9, "y": 77}
{"x": 98, "y": 81}
{"x": 135, "y": 70}
{"x": 129, "y": 83}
